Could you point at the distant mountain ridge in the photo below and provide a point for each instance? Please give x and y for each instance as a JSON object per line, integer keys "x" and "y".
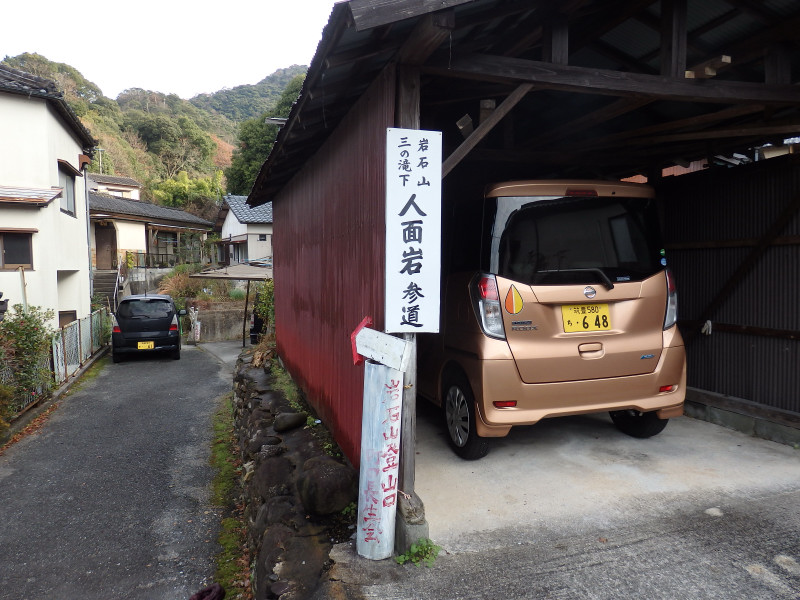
{"x": 248, "y": 101}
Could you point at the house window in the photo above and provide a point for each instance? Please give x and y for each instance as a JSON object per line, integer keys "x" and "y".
{"x": 262, "y": 237}
{"x": 67, "y": 182}
{"x": 15, "y": 250}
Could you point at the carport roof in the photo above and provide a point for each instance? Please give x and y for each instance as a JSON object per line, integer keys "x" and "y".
{"x": 617, "y": 87}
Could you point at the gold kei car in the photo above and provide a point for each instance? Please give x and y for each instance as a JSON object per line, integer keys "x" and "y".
{"x": 570, "y": 311}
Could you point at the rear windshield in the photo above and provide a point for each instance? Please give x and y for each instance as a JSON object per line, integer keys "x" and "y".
{"x": 566, "y": 240}
{"x": 145, "y": 307}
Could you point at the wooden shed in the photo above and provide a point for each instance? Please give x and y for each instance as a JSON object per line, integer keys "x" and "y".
{"x": 572, "y": 88}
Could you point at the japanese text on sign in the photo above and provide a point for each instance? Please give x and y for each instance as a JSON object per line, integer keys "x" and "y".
{"x": 380, "y": 460}
{"x": 413, "y": 230}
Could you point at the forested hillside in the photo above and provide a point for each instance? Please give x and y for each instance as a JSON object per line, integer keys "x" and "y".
{"x": 180, "y": 150}
{"x": 249, "y": 101}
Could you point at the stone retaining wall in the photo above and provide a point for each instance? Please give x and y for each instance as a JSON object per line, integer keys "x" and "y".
{"x": 293, "y": 491}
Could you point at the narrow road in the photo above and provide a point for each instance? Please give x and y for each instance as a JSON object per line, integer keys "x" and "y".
{"x": 110, "y": 499}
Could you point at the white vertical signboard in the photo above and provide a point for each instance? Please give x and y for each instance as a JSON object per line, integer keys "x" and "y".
{"x": 413, "y": 230}
{"x": 380, "y": 461}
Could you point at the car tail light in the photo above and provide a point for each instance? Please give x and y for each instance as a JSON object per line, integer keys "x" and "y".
{"x": 115, "y": 325}
{"x": 671, "y": 315}
{"x": 486, "y": 301}
{"x": 667, "y": 388}
{"x": 505, "y": 404}
{"x": 174, "y": 325}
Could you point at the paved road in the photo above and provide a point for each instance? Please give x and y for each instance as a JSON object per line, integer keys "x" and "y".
{"x": 572, "y": 509}
{"x": 111, "y": 498}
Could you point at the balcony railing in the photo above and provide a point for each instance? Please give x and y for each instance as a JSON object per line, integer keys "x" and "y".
{"x": 160, "y": 261}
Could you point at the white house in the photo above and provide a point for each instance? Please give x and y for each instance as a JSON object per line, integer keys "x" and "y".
{"x": 44, "y": 221}
{"x": 245, "y": 232}
{"x": 114, "y": 185}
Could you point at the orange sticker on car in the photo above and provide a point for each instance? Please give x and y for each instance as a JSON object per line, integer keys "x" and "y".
{"x": 513, "y": 301}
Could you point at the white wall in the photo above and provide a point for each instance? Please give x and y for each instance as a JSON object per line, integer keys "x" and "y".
{"x": 33, "y": 140}
{"x": 256, "y": 249}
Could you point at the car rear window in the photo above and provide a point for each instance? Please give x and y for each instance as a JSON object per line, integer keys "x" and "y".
{"x": 145, "y": 307}
{"x": 566, "y": 240}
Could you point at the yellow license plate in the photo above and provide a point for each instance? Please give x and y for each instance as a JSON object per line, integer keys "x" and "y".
{"x": 585, "y": 317}
{"x": 146, "y": 345}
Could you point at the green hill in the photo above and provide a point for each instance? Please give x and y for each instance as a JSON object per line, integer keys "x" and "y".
{"x": 154, "y": 137}
{"x": 249, "y": 101}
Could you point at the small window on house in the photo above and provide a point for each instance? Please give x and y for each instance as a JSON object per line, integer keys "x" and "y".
{"x": 65, "y": 317}
{"x": 262, "y": 237}
{"x": 15, "y": 250}
{"x": 66, "y": 181}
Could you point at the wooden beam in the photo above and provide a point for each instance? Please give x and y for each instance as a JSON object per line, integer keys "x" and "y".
{"x": 484, "y": 128}
{"x": 673, "y": 38}
{"x": 716, "y": 134}
{"x": 709, "y": 68}
{"x": 426, "y": 37}
{"x": 555, "y": 45}
{"x": 583, "y": 80}
{"x": 368, "y": 14}
{"x": 613, "y": 110}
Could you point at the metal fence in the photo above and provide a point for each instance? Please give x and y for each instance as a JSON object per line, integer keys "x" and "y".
{"x": 72, "y": 346}
{"x": 75, "y": 343}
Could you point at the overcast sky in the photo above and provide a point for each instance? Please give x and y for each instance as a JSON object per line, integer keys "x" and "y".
{"x": 185, "y": 47}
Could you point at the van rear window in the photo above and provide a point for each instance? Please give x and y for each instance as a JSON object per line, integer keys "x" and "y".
{"x": 565, "y": 240}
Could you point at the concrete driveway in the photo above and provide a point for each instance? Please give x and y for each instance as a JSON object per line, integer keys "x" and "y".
{"x": 571, "y": 508}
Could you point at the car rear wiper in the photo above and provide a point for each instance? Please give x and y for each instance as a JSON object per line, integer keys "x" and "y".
{"x": 597, "y": 271}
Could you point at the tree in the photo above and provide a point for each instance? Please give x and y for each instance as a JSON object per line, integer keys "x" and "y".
{"x": 256, "y": 139}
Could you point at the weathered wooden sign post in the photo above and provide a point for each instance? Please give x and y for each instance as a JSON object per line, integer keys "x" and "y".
{"x": 412, "y": 281}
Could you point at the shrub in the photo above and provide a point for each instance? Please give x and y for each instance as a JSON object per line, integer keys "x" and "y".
{"x": 26, "y": 339}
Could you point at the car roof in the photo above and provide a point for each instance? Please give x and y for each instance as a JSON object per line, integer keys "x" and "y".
{"x": 147, "y": 297}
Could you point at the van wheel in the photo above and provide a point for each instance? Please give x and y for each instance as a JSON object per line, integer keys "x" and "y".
{"x": 459, "y": 415}
{"x": 638, "y": 424}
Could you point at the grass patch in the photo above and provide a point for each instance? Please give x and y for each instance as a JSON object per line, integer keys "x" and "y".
{"x": 233, "y": 561}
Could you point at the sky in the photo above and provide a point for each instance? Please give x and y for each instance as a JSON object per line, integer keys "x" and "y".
{"x": 184, "y": 47}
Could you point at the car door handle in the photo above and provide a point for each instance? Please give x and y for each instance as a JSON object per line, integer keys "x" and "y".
{"x": 591, "y": 350}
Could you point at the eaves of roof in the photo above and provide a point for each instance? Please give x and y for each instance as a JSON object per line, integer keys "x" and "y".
{"x": 36, "y": 197}
{"x": 116, "y": 206}
{"x": 246, "y": 214}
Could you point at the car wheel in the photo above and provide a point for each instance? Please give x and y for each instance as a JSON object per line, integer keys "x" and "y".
{"x": 115, "y": 357}
{"x": 176, "y": 354}
{"x": 459, "y": 415}
{"x": 638, "y": 424}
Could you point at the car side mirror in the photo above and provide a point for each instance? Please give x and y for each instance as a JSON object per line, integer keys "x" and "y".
{"x": 182, "y": 312}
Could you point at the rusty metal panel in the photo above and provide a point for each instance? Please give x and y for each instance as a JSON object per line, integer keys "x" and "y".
{"x": 329, "y": 248}
{"x": 728, "y": 206}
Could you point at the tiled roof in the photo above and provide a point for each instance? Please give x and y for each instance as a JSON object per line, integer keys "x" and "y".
{"x": 13, "y": 81}
{"x": 247, "y": 214}
{"x": 114, "y": 205}
{"x": 114, "y": 180}
{"x": 28, "y": 196}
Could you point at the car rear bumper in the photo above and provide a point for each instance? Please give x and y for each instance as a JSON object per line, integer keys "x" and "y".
{"x": 498, "y": 380}
{"x": 120, "y": 345}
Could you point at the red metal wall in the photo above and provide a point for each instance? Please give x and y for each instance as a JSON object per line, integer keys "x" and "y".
{"x": 328, "y": 245}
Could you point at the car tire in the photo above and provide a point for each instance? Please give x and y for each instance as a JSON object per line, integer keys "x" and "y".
{"x": 459, "y": 416}
{"x": 115, "y": 358}
{"x": 176, "y": 354}
{"x": 638, "y": 424}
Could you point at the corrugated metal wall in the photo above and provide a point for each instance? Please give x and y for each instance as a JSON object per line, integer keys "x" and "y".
{"x": 329, "y": 246}
{"x": 725, "y": 205}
